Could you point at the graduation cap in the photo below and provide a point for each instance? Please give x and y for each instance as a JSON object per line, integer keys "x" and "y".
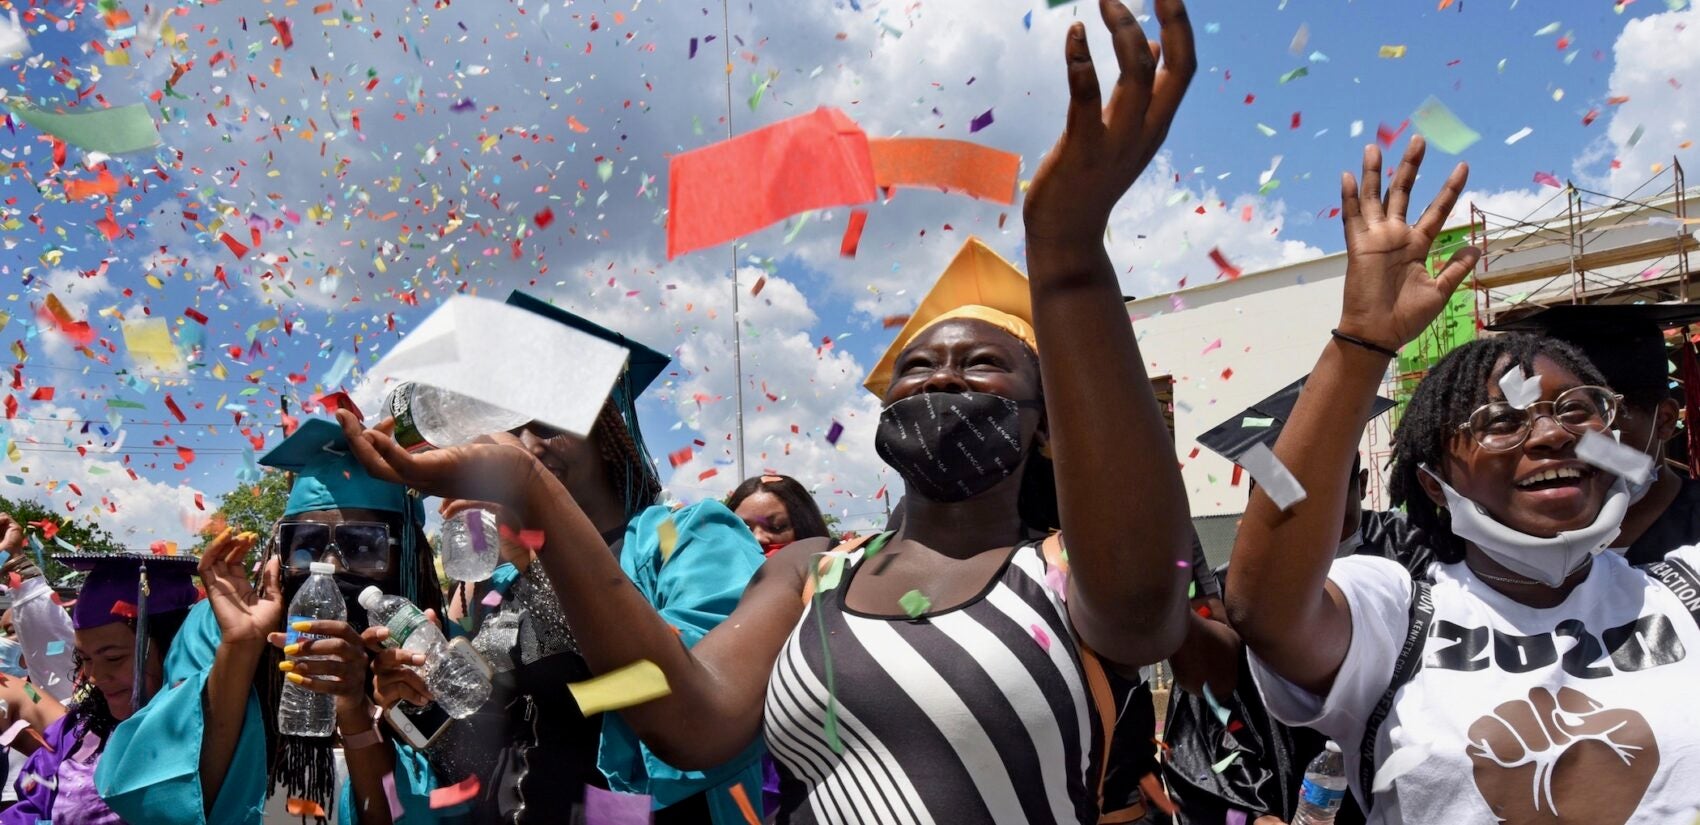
{"x": 978, "y": 284}
{"x": 1261, "y": 423}
{"x": 643, "y": 366}
{"x": 124, "y": 587}
{"x": 1625, "y": 341}
{"x": 329, "y": 477}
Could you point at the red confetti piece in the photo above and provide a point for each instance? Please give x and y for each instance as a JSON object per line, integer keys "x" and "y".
{"x": 236, "y": 247}
{"x": 124, "y": 610}
{"x": 573, "y": 124}
{"x": 1234, "y": 481}
{"x": 544, "y": 218}
{"x": 1385, "y": 135}
{"x": 284, "y": 36}
{"x": 1227, "y": 269}
{"x": 853, "y": 233}
{"x": 707, "y": 474}
{"x": 455, "y": 794}
{"x": 195, "y": 315}
{"x": 176, "y": 411}
{"x": 187, "y": 455}
{"x": 679, "y": 457}
{"x": 42, "y": 394}
{"x": 1546, "y": 179}
{"x": 890, "y": 321}
{"x": 1295, "y": 120}
{"x": 11, "y": 407}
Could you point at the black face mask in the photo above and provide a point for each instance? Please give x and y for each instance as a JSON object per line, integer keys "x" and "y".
{"x": 951, "y": 446}
{"x": 350, "y": 587}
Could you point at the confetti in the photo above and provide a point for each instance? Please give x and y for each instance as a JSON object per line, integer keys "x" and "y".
{"x": 667, "y": 535}
{"x": 1226, "y": 269}
{"x": 1614, "y": 457}
{"x": 951, "y": 165}
{"x": 853, "y": 233}
{"x": 980, "y": 121}
{"x": 1519, "y": 135}
{"x": 114, "y": 131}
{"x": 1040, "y": 636}
{"x": 12, "y": 733}
{"x": 613, "y": 808}
{"x": 396, "y": 810}
{"x": 452, "y": 795}
{"x": 1392, "y": 52}
{"x": 1272, "y": 476}
{"x": 1442, "y": 129}
{"x": 915, "y": 604}
{"x": 305, "y": 807}
{"x": 738, "y": 186}
{"x": 1519, "y": 390}
{"x": 632, "y": 685}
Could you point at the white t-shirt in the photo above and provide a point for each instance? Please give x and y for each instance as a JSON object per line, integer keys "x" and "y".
{"x": 1588, "y": 709}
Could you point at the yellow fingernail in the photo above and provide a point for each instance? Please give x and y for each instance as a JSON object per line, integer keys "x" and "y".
{"x": 295, "y": 678}
{"x": 302, "y": 626}
{"x": 293, "y": 649}
{"x": 286, "y": 666}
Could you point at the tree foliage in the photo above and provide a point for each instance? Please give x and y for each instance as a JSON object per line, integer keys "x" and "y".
{"x": 251, "y": 507}
{"x": 55, "y": 534}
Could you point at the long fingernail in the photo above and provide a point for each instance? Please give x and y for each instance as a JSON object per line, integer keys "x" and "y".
{"x": 302, "y": 627}
{"x": 293, "y": 649}
{"x": 295, "y": 678}
{"x": 286, "y": 666}
{"x": 419, "y": 658}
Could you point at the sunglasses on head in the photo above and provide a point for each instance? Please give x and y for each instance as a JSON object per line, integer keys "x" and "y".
{"x": 360, "y": 548}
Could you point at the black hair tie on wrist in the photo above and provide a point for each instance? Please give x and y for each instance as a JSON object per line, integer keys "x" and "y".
{"x": 1375, "y": 348}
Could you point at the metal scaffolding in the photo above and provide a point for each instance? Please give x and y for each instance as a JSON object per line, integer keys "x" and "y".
{"x": 1588, "y": 248}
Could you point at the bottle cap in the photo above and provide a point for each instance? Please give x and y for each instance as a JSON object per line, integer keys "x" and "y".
{"x": 370, "y": 597}
{"x": 1332, "y": 746}
{"x": 322, "y": 568}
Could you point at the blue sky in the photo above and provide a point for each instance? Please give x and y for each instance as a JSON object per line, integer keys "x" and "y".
{"x": 479, "y": 118}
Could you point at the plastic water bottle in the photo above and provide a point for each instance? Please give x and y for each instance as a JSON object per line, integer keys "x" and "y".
{"x": 302, "y": 712}
{"x": 496, "y": 640}
{"x": 428, "y": 417}
{"x": 470, "y": 545}
{"x": 458, "y": 677}
{"x": 1324, "y": 788}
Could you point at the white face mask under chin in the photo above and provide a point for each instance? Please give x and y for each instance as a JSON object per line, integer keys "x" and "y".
{"x": 1638, "y": 490}
{"x": 1546, "y": 560}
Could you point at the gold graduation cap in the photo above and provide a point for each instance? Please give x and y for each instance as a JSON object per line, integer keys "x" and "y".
{"x": 978, "y": 284}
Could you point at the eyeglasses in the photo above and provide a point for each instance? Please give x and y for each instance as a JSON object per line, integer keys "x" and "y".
{"x": 361, "y": 548}
{"x": 1498, "y": 426}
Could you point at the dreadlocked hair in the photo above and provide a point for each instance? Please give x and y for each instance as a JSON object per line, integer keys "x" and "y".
{"x": 627, "y": 463}
{"x": 89, "y": 711}
{"x": 1453, "y": 389}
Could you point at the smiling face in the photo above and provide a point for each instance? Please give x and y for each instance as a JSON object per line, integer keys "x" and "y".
{"x": 108, "y": 654}
{"x": 1540, "y": 488}
{"x": 765, "y": 514}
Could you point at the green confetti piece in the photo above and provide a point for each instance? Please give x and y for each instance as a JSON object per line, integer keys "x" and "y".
{"x": 1272, "y": 185}
{"x": 1294, "y": 75}
{"x": 120, "y": 403}
{"x": 30, "y": 690}
{"x": 1222, "y": 713}
{"x": 834, "y": 572}
{"x": 1226, "y": 761}
{"x": 1250, "y": 421}
{"x": 1442, "y": 129}
{"x": 915, "y": 603}
{"x": 1267, "y": 132}
{"x": 605, "y": 170}
{"x": 113, "y": 131}
{"x": 831, "y": 726}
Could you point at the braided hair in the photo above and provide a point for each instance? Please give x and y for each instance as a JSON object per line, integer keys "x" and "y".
{"x": 1452, "y": 390}
{"x": 626, "y": 461}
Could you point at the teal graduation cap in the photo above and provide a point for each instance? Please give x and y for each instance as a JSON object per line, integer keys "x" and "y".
{"x": 643, "y": 366}
{"x": 329, "y": 477}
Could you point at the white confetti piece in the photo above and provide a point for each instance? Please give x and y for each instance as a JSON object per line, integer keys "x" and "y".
{"x": 1612, "y": 456}
{"x": 1520, "y": 134}
{"x": 1270, "y": 474}
{"x": 1520, "y": 391}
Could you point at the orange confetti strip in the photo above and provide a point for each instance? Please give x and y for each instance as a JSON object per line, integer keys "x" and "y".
{"x": 853, "y": 233}
{"x": 455, "y": 794}
{"x": 105, "y": 184}
{"x": 744, "y": 806}
{"x": 304, "y": 807}
{"x": 952, "y": 165}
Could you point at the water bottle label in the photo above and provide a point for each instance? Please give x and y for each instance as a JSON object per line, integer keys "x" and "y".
{"x": 1315, "y": 793}
{"x": 407, "y": 432}
{"x": 297, "y": 636}
{"x": 403, "y": 624}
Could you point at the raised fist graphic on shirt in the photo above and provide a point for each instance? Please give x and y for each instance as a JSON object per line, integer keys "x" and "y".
{"x": 1563, "y": 757}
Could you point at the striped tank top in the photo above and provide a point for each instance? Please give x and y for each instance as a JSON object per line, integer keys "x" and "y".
{"x": 976, "y": 714}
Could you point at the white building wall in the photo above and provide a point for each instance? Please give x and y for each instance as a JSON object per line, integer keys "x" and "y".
{"x": 1271, "y": 326}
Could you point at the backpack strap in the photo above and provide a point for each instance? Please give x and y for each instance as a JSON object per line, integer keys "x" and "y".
{"x": 1677, "y": 575}
{"x": 1098, "y": 685}
{"x": 1406, "y": 666}
{"x": 824, "y": 563}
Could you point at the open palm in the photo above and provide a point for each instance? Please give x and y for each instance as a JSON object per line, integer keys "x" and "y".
{"x": 1390, "y": 296}
{"x": 245, "y": 613}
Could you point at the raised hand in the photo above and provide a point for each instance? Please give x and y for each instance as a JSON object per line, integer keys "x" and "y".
{"x": 1103, "y": 149}
{"x": 1390, "y": 296}
{"x": 11, "y": 534}
{"x": 245, "y": 613}
{"x": 497, "y": 469}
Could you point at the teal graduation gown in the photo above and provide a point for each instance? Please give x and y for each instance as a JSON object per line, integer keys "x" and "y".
{"x": 151, "y": 768}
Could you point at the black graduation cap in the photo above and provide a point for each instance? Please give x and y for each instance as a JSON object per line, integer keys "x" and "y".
{"x": 1626, "y": 341}
{"x": 1261, "y": 423}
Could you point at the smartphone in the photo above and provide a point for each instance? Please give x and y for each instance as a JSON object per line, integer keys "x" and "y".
{"x": 418, "y": 727}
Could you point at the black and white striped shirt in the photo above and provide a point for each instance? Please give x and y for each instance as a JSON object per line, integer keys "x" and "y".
{"x": 976, "y": 714}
